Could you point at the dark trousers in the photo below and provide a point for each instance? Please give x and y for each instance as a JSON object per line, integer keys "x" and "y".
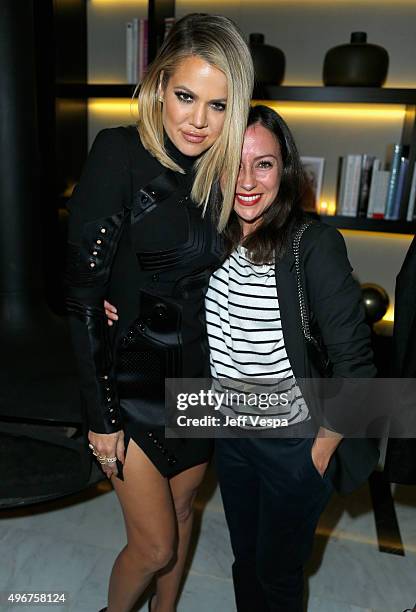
{"x": 273, "y": 497}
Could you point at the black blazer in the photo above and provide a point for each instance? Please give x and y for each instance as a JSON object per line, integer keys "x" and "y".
{"x": 400, "y": 464}
{"x": 336, "y": 308}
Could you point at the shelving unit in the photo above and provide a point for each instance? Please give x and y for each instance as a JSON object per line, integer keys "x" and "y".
{"x": 71, "y": 91}
{"x": 370, "y": 225}
{"x": 68, "y": 90}
{"x": 360, "y": 95}
{"x": 352, "y": 95}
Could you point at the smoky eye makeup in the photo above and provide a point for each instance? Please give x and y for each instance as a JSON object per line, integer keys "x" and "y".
{"x": 187, "y": 98}
{"x": 219, "y": 106}
{"x": 184, "y": 96}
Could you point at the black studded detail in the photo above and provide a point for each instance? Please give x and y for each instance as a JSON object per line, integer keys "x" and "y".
{"x": 155, "y": 277}
{"x": 171, "y": 459}
{"x": 90, "y": 261}
{"x": 183, "y": 200}
{"x": 160, "y": 311}
{"x": 90, "y": 266}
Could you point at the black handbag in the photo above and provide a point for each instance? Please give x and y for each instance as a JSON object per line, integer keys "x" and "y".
{"x": 315, "y": 347}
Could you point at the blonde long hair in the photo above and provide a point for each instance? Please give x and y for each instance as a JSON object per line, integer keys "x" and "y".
{"x": 216, "y": 40}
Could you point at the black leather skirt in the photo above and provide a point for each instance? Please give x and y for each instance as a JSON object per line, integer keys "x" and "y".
{"x": 154, "y": 348}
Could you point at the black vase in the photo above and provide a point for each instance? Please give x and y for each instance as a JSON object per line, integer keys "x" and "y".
{"x": 357, "y": 64}
{"x": 269, "y": 64}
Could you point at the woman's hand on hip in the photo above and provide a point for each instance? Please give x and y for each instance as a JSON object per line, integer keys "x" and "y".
{"x": 108, "y": 446}
{"x": 110, "y": 312}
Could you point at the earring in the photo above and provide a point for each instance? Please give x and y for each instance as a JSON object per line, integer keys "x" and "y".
{"x": 160, "y": 99}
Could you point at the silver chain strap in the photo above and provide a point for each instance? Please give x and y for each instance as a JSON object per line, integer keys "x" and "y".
{"x": 302, "y": 302}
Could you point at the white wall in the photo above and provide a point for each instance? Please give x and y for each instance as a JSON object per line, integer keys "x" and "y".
{"x": 306, "y": 29}
{"x": 106, "y": 38}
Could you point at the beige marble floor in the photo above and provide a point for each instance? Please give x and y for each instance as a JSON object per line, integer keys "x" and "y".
{"x": 70, "y": 545}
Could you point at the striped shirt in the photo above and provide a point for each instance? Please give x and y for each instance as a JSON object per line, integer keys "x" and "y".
{"x": 246, "y": 339}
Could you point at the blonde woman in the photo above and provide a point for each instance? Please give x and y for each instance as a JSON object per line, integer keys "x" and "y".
{"x": 138, "y": 237}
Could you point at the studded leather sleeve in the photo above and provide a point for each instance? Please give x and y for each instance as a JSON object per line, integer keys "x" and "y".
{"x": 98, "y": 215}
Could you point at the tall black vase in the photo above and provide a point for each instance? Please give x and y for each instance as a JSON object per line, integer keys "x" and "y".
{"x": 357, "y": 64}
{"x": 269, "y": 64}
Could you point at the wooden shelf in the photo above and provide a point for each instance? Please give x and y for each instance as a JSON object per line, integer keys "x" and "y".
{"x": 83, "y": 90}
{"x": 356, "y": 95}
{"x": 363, "y": 95}
{"x": 370, "y": 225}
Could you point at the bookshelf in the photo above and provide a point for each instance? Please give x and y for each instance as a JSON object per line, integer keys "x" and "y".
{"x": 353, "y": 95}
{"x": 403, "y": 98}
{"x": 370, "y": 225}
{"x": 71, "y": 90}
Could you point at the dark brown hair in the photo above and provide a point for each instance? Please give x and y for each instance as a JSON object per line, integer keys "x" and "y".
{"x": 273, "y": 234}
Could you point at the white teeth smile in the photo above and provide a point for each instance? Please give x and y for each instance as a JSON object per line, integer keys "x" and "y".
{"x": 248, "y": 198}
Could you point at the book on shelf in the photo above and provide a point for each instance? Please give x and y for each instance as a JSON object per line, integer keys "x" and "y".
{"x": 349, "y": 185}
{"x": 129, "y": 53}
{"x": 136, "y": 49}
{"x": 395, "y": 163}
{"x": 367, "y": 162}
{"x": 169, "y": 21}
{"x": 378, "y": 191}
{"x": 410, "y": 215}
{"x": 366, "y": 190}
{"x": 143, "y": 47}
{"x": 400, "y": 205}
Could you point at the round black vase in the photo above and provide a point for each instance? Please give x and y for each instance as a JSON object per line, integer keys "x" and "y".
{"x": 269, "y": 64}
{"x": 376, "y": 301}
{"x": 357, "y": 64}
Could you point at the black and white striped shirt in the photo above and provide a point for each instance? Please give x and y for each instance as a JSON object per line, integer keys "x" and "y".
{"x": 245, "y": 334}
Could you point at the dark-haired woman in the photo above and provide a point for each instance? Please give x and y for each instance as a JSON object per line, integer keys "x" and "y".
{"x": 274, "y": 489}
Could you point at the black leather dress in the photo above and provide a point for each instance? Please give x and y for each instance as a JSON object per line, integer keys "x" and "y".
{"x": 137, "y": 239}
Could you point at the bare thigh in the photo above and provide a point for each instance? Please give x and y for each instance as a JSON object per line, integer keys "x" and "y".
{"x": 184, "y": 488}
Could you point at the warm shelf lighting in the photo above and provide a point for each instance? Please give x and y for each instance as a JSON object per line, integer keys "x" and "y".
{"x": 291, "y": 3}
{"x": 121, "y": 106}
{"x": 115, "y": 4}
{"x": 335, "y": 112}
{"x": 310, "y": 110}
{"x": 327, "y": 207}
{"x": 368, "y": 234}
{"x": 389, "y": 316}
